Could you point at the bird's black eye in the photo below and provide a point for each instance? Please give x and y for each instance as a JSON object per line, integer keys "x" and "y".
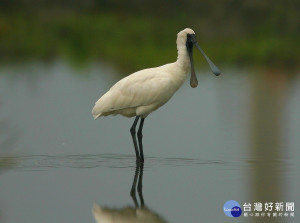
{"x": 189, "y": 43}
{"x": 190, "y": 38}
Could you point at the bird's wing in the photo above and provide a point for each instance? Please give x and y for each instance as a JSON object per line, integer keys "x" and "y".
{"x": 139, "y": 89}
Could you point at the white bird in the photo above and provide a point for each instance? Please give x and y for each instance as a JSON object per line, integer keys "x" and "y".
{"x": 146, "y": 90}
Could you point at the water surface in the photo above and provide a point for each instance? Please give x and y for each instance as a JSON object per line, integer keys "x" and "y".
{"x": 235, "y": 137}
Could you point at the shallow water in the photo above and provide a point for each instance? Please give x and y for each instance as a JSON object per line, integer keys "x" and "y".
{"x": 235, "y": 137}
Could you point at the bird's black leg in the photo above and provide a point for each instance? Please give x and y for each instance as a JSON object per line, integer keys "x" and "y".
{"x": 140, "y": 137}
{"x": 132, "y": 130}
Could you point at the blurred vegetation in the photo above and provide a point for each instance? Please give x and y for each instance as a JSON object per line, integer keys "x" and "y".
{"x": 140, "y": 34}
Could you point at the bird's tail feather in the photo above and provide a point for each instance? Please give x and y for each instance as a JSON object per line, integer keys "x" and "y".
{"x": 96, "y": 112}
{"x": 97, "y": 116}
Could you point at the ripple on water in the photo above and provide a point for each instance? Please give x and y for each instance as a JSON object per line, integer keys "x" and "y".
{"x": 45, "y": 162}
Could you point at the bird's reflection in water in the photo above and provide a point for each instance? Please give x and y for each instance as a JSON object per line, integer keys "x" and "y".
{"x": 130, "y": 214}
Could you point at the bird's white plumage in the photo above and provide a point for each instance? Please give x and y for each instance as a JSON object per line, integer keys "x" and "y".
{"x": 144, "y": 91}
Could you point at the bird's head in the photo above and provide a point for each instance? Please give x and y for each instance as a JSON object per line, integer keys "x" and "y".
{"x": 188, "y": 37}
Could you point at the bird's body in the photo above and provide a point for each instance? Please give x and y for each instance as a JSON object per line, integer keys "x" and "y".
{"x": 146, "y": 90}
{"x": 142, "y": 92}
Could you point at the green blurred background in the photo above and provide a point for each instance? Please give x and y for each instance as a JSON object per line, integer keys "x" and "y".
{"x": 138, "y": 34}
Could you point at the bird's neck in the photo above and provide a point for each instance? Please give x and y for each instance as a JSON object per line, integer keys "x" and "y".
{"x": 183, "y": 59}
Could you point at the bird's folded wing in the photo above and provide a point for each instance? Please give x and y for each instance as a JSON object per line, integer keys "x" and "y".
{"x": 138, "y": 89}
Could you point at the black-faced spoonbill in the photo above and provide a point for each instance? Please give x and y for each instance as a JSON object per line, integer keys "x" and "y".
{"x": 146, "y": 90}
